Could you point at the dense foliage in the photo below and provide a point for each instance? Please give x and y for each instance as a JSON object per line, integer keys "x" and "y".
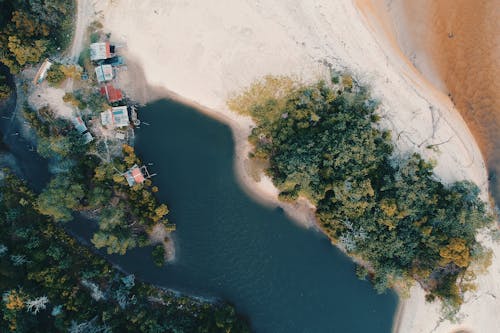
{"x": 31, "y": 29}
{"x": 5, "y": 90}
{"x": 323, "y": 142}
{"x": 51, "y": 283}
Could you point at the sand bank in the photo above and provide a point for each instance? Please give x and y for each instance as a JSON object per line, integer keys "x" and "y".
{"x": 206, "y": 51}
{"x": 454, "y": 44}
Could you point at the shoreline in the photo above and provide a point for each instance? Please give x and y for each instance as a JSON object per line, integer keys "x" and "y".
{"x": 262, "y": 192}
{"x": 301, "y": 213}
{"x": 407, "y": 115}
{"x": 376, "y": 16}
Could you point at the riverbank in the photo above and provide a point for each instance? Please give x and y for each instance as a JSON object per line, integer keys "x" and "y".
{"x": 438, "y": 40}
{"x": 194, "y": 61}
{"x": 455, "y": 46}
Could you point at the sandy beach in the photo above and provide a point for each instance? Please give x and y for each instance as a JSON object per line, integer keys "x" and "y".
{"x": 456, "y": 46}
{"x": 202, "y": 53}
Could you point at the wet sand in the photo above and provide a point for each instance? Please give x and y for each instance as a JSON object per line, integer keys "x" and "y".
{"x": 455, "y": 44}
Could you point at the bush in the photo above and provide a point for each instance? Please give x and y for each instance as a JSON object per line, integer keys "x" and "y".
{"x": 5, "y": 90}
{"x": 55, "y": 76}
{"x": 159, "y": 255}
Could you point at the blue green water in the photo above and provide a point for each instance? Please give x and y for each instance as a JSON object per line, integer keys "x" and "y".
{"x": 282, "y": 277}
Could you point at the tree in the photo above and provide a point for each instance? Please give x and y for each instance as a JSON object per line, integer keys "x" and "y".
{"x": 159, "y": 255}
{"x": 26, "y": 53}
{"x": 160, "y": 212}
{"x": 60, "y": 198}
{"x": 5, "y": 90}
{"x": 114, "y": 242}
{"x": 455, "y": 252}
{"x": 55, "y": 76}
{"x": 35, "y": 305}
{"x": 322, "y": 142}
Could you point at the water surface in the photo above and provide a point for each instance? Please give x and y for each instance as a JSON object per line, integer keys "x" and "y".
{"x": 283, "y": 277}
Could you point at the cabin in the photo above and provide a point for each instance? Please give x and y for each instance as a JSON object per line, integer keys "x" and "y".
{"x": 101, "y": 51}
{"x": 82, "y": 129}
{"x": 112, "y": 94}
{"x": 115, "y": 117}
{"x": 42, "y": 71}
{"x": 136, "y": 175}
{"x": 104, "y": 73}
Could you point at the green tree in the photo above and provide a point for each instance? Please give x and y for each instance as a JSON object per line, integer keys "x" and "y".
{"x": 60, "y": 198}
{"x": 322, "y": 142}
{"x": 158, "y": 254}
{"x": 55, "y": 76}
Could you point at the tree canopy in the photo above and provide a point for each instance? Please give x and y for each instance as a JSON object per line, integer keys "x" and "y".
{"x": 323, "y": 142}
{"x": 51, "y": 283}
{"x": 31, "y": 29}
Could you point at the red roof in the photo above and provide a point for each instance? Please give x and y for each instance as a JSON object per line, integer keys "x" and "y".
{"x": 108, "y": 50}
{"x": 111, "y": 93}
{"x": 137, "y": 174}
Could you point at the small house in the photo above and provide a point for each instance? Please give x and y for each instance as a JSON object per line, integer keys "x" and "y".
{"x": 101, "y": 51}
{"x": 115, "y": 117}
{"x": 82, "y": 129}
{"x": 134, "y": 175}
{"x": 104, "y": 73}
{"x": 42, "y": 71}
{"x": 112, "y": 94}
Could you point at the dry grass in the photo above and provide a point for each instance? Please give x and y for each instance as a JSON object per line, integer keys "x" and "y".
{"x": 261, "y": 91}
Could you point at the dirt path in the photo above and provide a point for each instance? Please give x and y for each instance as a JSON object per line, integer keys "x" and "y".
{"x": 84, "y": 14}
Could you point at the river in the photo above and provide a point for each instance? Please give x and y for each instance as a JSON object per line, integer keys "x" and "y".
{"x": 282, "y": 277}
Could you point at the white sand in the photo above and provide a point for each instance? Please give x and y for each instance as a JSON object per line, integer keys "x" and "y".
{"x": 204, "y": 51}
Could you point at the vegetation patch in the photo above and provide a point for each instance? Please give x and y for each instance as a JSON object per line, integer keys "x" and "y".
{"x": 323, "y": 142}
{"x": 5, "y": 90}
{"x": 30, "y": 30}
{"x": 51, "y": 283}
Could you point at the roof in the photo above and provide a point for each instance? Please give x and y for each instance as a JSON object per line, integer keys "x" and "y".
{"x": 99, "y": 51}
{"x": 82, "y": 129}
{"x": 120, "y": 116}
{"x": 79, "y": 124}
{"x": 112, "y": 94}
{"x": 106, "y": 118}
{"x": 42, "y": 71}
{"x": 116, "y": 117}
{"x": 134, "y": 176}
{"x": 104, "y": 73}
{"x": 87, "y": 137}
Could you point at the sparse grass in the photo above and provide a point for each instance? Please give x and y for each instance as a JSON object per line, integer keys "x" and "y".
{"x": 269, "y": 89}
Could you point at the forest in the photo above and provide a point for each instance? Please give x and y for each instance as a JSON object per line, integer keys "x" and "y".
{"x": 30, "y": 30}
{"x": 324, "y": 142}
{"x": 49, "y": 282}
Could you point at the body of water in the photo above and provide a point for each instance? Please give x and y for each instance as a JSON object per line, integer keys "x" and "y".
{"x": 282, "y": 277}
